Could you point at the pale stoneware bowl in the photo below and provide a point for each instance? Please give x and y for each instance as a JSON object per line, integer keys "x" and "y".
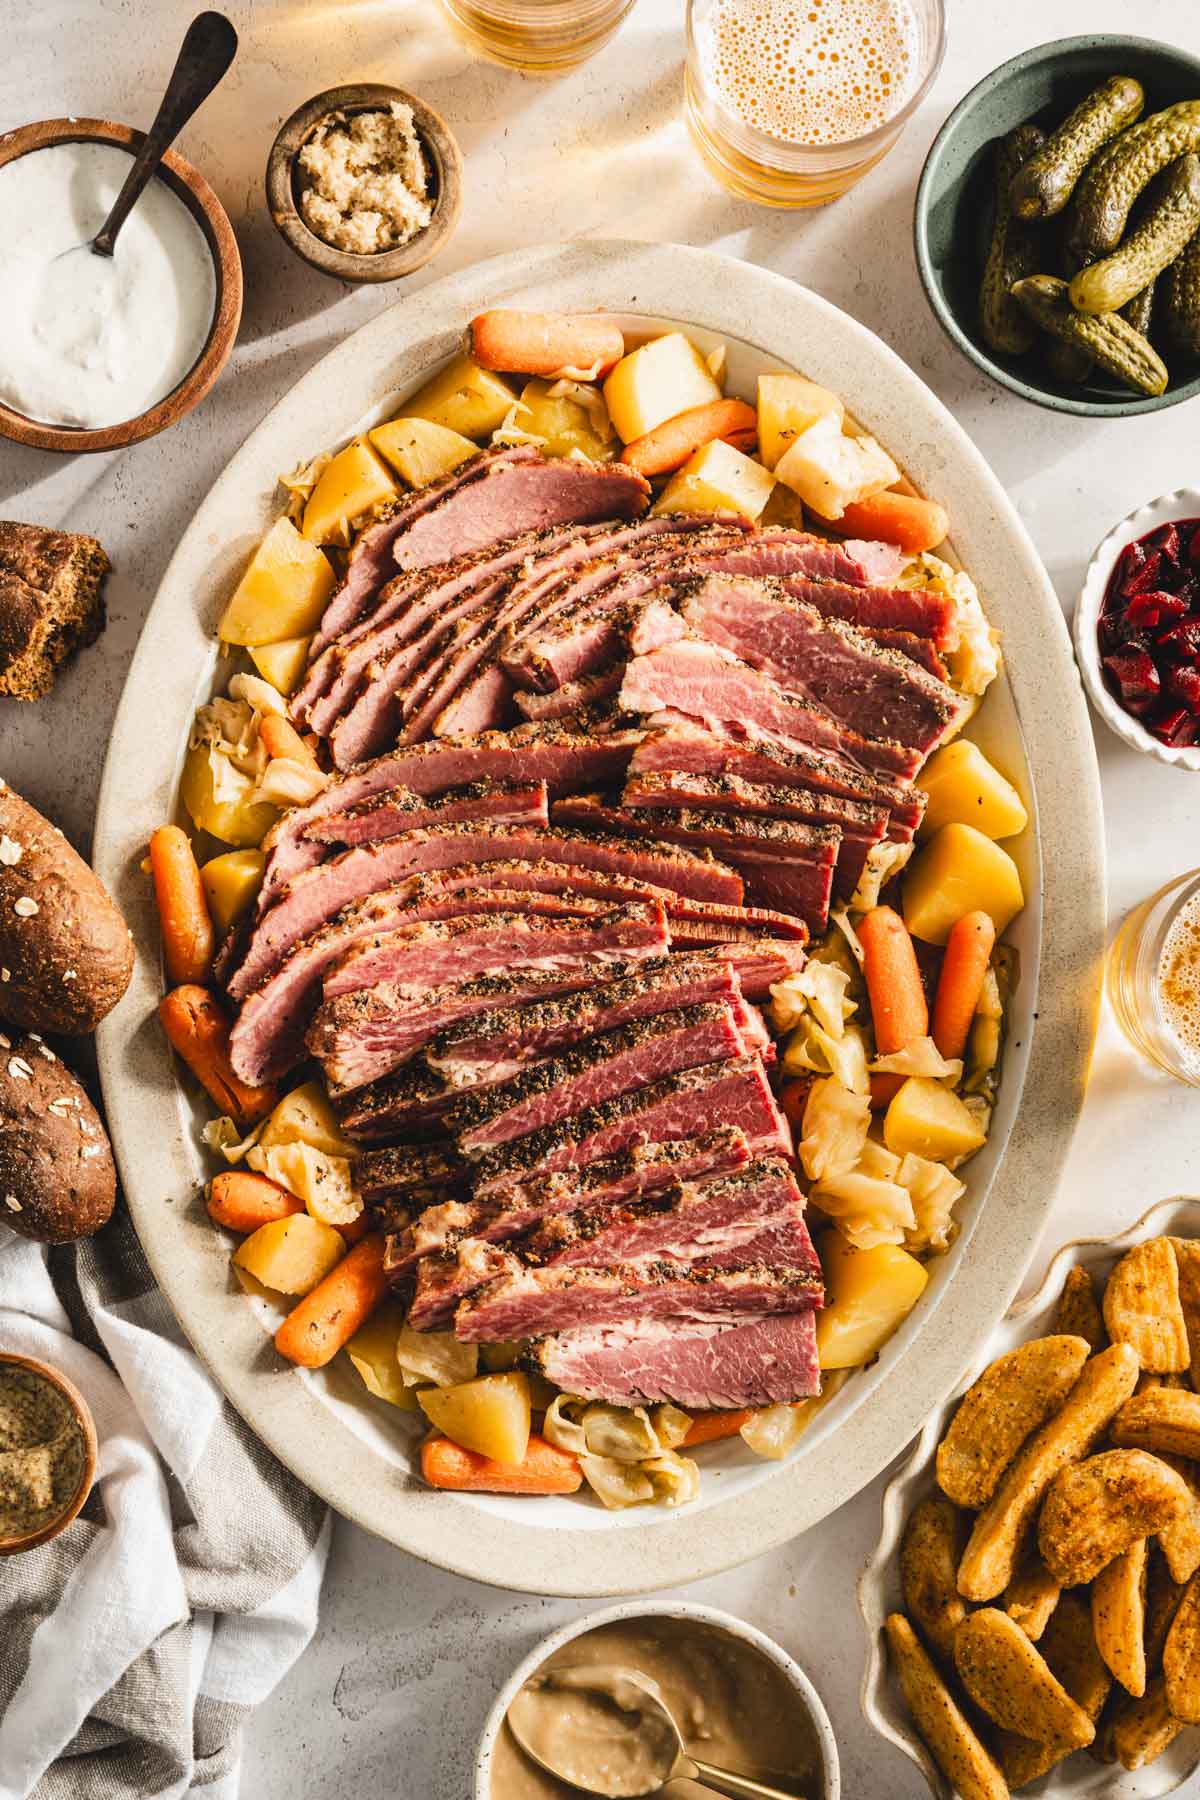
{"x": 29, "y": 1540}
{"x": 806, "y": 1693}
{"x": 1079, "y": 1777}
{"x": 358, "y": 1453}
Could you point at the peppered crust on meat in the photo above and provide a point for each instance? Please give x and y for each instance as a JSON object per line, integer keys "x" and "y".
{"x": 57, "y": 1179}
{"x": 65, "y": 953}
{"x": 51, "y": 603}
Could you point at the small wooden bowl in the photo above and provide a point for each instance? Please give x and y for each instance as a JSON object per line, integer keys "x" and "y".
{"x": 445, "y": 167}
{"x": 28, "y": 1540}
{"x": 210, "y": 215}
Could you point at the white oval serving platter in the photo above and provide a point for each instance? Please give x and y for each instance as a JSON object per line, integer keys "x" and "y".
{"x": 1034, "y": 721}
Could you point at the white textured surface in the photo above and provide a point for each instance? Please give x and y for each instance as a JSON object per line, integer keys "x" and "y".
{"x": 394, "y": 1690}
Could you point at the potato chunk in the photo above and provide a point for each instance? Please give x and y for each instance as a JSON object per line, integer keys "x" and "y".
{"x": 1011, "y": 1681}
{"x": 960, "y": 871}
{"x": 868, "y": 1293}
{"x": 231, "y": 884}
{"x": 831, "y": 471}
{"x": 1119, "y": 1616}
{"x": 1142, "y": 1308}
{"x": 929, "y": 1551}
{"x": 1094, "y": 1510}
{"x": 372, "y": 1350}
{"x": 291, "y": 1255}
{"x": 236, "y": 819}
{"x": 927, "y": 1119}
{"x": 305, "y": 1117}
{"x": 420, "y": 451}
{"x": 464, "y": 398}
{"x": 283, "y": 592}
{"x": 282, "y": 664}
{"x": 653, "y": 383}
{"x": 348, "y": 486}
{"x": 490, "y": 1414}
{"x": 788, "y": 405}
{"x": 718, "y": 479}
{"x": 1014, "y": 1395}
{"x": 963, "y": 788}
{"x": 948, "y": 1734}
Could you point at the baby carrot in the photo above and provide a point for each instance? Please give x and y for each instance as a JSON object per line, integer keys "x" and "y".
{"x": 314, "y": 1332}
{"x": 707, "y": 1427}
{"x": 282, "y": 739}
{"x": 242, "y": 1202}
{"x": 968, "y": 952}
{"x": 904, "y": 519}
{"x": 198, "y": 1031}
{"x": 187, "y": 929}
{"x": 355, "y": 1230}
{"x": 579, "y": 346}
{"x": 545, "y": 1469}
{"x": 898, "y": 1008}
{"x": 670, "y": 444}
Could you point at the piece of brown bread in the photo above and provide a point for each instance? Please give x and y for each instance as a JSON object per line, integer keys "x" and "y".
{"x": 51, "y": 603}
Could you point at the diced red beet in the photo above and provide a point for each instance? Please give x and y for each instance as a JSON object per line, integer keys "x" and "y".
{"x": 1134, "y": 673}
{"x": 1178, "y": 727}
{"x": 1149, "y": 610}
{"x": 1184, "y": 683}
{"x": 1180, "y": 643}
{"x": 1166, "y": 540}
{"x": 1143, "y": 578}
{"x": 1194, "y": 550}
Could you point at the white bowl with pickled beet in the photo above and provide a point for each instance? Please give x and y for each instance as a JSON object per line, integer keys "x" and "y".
{"x": 1137, "y": 629}
{"x": 740, "y": 1700}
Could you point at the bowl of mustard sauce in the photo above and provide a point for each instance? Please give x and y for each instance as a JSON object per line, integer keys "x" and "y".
{"x": 739, "y": 1700}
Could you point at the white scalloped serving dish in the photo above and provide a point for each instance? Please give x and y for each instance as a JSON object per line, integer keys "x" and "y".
{"x": 1080, "y": 1777}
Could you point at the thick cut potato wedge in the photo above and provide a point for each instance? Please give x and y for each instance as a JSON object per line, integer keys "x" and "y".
{"x": 788, "y": 405}
{"x": 963, "y": 788}
{"x": 1144, "y": 1728}
{"x": 868, "y": 1293}
{"x": 420, "y": 451}
{"x": 231, "y": 883}
{"x": 991, "y": 1553}
{"x": 831, "y": 471}
{"x": 958, "y": 872}
{"x": 1180, "y": 1542}
{"x": 1181, "y": 1657}
{"x": 305, "y": 1117}
{"x": 1095, "y": 1509}
{"x": 1009, "y": 1678}
{"x": 1071, "y": 1655}
{"x": 291, "y": 1255}
{"x": 927, "y": 1119}
{"x": 282, "y": 664}
{"x": 1032, "y": 1595}
{"x": 283, "y": 592}
{"x": 664, "y": 377}
{"x": 929, "y": 1552}
{"x": 1119, "y": 1616}
{"x": 464, "y": 398}
{"x": 1161, "y": 1419}
{"x": 1078, "y": 1313}
{"x": 490, "y": 1414}
{"x": 1142, "y": 1307}
{"x": 1011, "y": 1399}
{"x": 1187, "y": 1258}
{"x": 372, "y": 1350}
{"x": 947, "y": 1733}
{"x": 717, "y": 479}
{"x": 349, "y": 486}
{"x": 236, "y": 820}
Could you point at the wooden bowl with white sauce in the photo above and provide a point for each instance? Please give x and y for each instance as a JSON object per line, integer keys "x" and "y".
{"x": 213, "y": 351}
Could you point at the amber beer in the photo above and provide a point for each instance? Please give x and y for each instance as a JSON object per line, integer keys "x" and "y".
{"x": 792, "y": 101}
{"x": 539, "y": 36}
{"x": 1154, "y": 978}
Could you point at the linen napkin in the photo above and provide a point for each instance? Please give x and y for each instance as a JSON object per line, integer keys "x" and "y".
{"x": 134, "y": 1645}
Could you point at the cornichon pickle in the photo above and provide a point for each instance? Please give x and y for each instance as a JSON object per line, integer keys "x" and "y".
{"x": 1067, "y": 362}
{"x": 1179, "y": 305}
{"x": 1100, "y": 207}
{"x": 1047, "y": 181}
{"x": 1011, "y": 254}
{"x": 1105, "y": 286}
{"x": 1106, "y": 337}
{"x": 1140, "y": 310}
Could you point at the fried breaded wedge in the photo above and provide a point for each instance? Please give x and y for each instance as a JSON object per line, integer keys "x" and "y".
{"x": 1181, "y": 1657}
{"x": 1079, "y": 1312}
{"x": 1180, "y": 1542}
{"x": 1009, "y": 1678}
{"x": 1032, "y": 1594}
{"x": 1094, "y": 1510}
{"x": 1187, "y": 1261}
{"x": 946, "y": 1733}
{"x": 1163, "y": 1595}
{"x": 1013, "y": 1396}
{"x": 929, "y": 1551}
{"x": 1142, "y": 1309}
{"x": 1070, "y": 1652}
{"x": 1160, "y": 1419}
{"x": 1119, "y": 1616}
{"x": 1143, "y": 1729}
{"x": 1107, "y": 1380}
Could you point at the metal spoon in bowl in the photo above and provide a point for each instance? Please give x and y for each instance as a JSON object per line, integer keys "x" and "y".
{"x": 636, "y": 1748}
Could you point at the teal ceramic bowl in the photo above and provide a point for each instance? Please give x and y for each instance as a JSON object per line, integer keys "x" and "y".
{"x": 955, "y": 204}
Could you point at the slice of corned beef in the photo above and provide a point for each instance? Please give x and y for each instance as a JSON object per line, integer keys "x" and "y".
{"x": 708, "y": 682}
{"x": 789, "y": 559}
{"x": 704, "y": 1367}
{"x": 691, "y": 1102}
{"x": 573, "y": 695}
{"x": 434, "y": 952}
{"x": 872, "y": 691}
{"x": 372, "y": 560}
{"x": 515, "y": 497}
{"x": 906, "y": 643}
{"x": 517, "y": 1302}
{"x": 399, "y": 809}
{"x": 631, "y": 1055}
{"x": 574, "y": 650}
{"x": 389, "y": 1179}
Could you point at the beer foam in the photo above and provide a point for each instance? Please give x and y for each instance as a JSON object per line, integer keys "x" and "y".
{"x": 811, "y": 71}
{"x": 1179, "y": 981}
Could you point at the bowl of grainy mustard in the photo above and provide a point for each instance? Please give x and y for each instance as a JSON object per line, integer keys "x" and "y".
{"x": 365, "y": 182}
{"x": 47, "y": 1452}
